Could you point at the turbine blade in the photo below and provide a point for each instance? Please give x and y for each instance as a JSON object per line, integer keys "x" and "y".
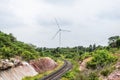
{"x": 56, "y": 34}
{"x": 65, "y": 30}
{"x": 57, "y": 23}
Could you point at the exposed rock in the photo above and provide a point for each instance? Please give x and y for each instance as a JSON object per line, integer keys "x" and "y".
{"x": 21, "y": 69}
{"x": 114, "y": 76}
{"x": 43, "y": 64}
{"x": 17, "y": 73}
{"x": 15, "y": 61}
{"x": 118, "y": 65}
{"x": 6, "y": 64}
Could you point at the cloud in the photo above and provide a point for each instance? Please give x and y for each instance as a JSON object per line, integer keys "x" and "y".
{"x": 32, "y": 21}
{"x": 60, "y": 2}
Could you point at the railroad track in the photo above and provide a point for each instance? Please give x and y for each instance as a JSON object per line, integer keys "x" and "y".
{"x": 58, "y": 74}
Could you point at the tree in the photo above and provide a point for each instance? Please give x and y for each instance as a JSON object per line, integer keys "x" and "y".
{"x": 12, "y": 38}
{"x": 94, "y": 46}
{"x": 118, "y": 43}
{"x": 112, "y": 41}
{"x": 10, "y": 47}
{"x": 90, "y": 48}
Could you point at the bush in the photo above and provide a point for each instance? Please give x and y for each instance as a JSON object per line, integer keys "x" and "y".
{"x": 105, "y": 72}
{"x": 85, "y": 55}
{"x": 93, "y": 76}
{"x": 101, "y": 59}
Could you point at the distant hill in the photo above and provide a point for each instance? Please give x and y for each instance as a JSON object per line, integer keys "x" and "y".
{"x": 11, "y": 47}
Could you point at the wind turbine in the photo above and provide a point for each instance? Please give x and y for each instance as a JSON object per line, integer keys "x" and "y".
{"x": 59, "y": 32}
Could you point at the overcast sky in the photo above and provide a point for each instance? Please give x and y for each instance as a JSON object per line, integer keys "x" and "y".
{"x": 32, "y": 21}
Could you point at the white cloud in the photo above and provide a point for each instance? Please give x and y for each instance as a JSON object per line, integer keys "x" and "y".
{"x": 32, "y": 21}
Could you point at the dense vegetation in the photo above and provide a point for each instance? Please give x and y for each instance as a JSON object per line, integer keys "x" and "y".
{"x": 103, "y": 59}
{"x": 10, "y": 47}
{"x": 102, "y": 62}
{"x": 100, "y": 59}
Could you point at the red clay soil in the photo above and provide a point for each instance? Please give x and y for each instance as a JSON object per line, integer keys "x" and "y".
{"x": 43, "y": 64}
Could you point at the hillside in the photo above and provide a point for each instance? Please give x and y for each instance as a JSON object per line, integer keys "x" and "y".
{"x": 11, "y": 47}
{"x": 94, "y": 62}
{"x": 19, "y": 60}
{"x": 89, "y": 63}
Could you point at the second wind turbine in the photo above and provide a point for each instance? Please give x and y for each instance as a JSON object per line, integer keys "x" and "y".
{"x": 59, "y": 32}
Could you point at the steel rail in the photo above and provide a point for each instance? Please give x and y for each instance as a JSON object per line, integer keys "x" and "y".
{"x": 58, "y": 74}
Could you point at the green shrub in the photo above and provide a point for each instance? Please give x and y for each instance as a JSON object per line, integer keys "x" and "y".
{"x": 93, "y": 76}
{"x": 100, "y": 59}
{"x": 85, "y": 55}
{"x": 105, "y": 72}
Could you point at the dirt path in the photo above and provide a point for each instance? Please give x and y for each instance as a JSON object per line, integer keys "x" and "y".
{"x": 83, "y": 63}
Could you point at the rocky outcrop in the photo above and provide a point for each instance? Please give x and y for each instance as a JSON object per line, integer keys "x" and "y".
{"x": 15, "y": 69}
{"x": 115, "y": 75}
{"x": 6, "y": 64}
{"x": 17, "y": 73}
{"x": 43, "y": 64}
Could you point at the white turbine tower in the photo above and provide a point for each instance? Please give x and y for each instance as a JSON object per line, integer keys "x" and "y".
{"x": 59, "y": 32}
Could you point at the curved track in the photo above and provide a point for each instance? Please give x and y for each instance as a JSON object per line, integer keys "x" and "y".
{"x": 57, "y": 74}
